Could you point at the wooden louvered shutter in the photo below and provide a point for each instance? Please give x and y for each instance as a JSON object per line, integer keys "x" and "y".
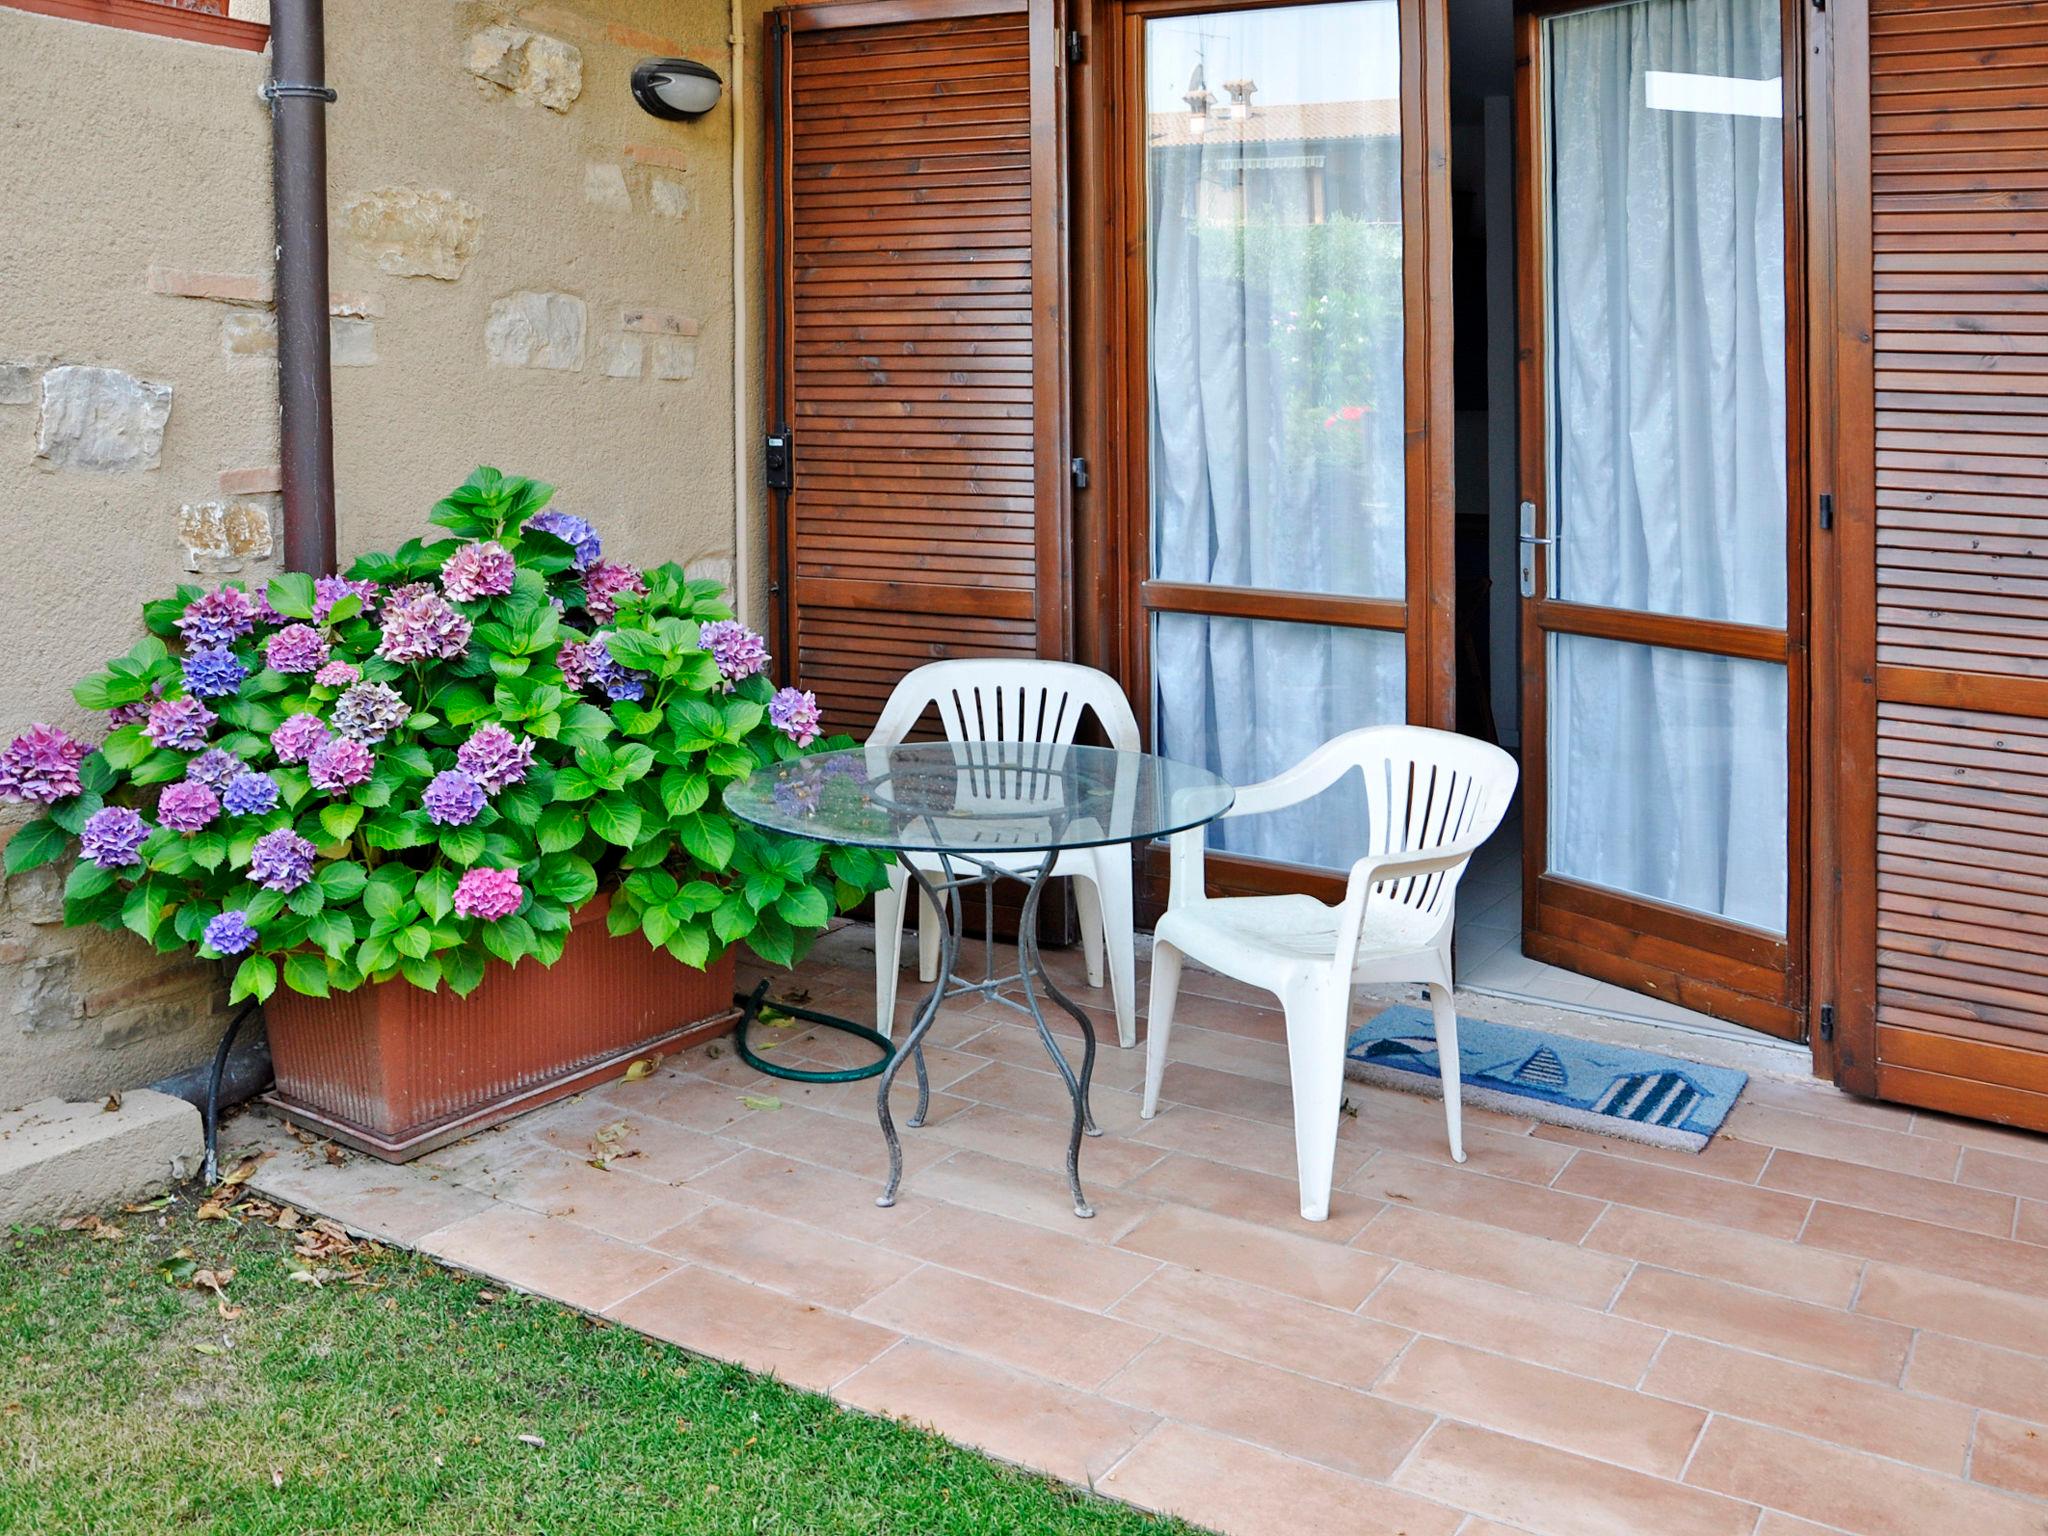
{"x": 1942, "y": 553}
{"x": 918, "y": 364}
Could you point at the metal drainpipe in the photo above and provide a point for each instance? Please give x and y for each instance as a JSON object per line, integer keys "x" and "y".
{"x": 298, "y": 97}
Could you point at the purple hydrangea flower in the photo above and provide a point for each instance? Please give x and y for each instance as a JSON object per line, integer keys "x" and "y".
{"x": 187, "y": 807}
{"x": 337, "y": 674}
{"x": 604, "y": 584}
{"x": 230, "y": 933}
{"x": 798, "y": 797}
{"x": 489, "y": 894}
{"x": 298, "y": 738}
{"x": 453, "y": 799}
{"x": 617, "y": 682}
{"x": 250, "y": 794}
{"x": 739, "y": 652}
{"x": 265, "y": 614}
{"x": 795, "y": 713}
{"x": 574, "y": 660}
{"x": 296, "y": 648}
{"x": 179, "y": 723}
{"x": 424, "y": 628}
{"x": 41, "y": 764}
{"x": 571, "y": 530}
{"x": 478, "y": 570}
{"x": 216, "y": 768}
{"x": 339, "y": 764}
{"x": 218, "y": 618}
{"x": 281, "y": 860}
{"x": 329, "y": 590}
{"x": 112, "y": 838}
{"x": 495, "y": 758}
{"x": 214, "y": 674}
{"x": 369, "y": 712}
{"x": 128, "y": 714}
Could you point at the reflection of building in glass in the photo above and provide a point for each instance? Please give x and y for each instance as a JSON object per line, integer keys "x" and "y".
{"x": 1294, "y": 162}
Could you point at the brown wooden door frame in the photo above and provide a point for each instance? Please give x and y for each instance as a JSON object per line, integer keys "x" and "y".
{"x": 1111, "y": 383}
{"x": 1052, "y": 603}
{"x": 1727, "y": 969}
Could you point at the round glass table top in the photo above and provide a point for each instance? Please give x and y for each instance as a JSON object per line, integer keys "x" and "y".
{"x": 975, "y": 797}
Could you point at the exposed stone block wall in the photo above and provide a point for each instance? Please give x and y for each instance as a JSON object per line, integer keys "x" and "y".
{"x": 527, "y": 271}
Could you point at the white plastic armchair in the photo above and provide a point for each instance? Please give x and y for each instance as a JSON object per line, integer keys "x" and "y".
{"x": 1431, "y": 799}
{"x": 1020, "y": 700}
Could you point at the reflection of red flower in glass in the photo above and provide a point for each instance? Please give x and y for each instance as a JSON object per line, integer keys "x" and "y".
{"x": 1329, "y": 421}
{"x": 1351, "y": 412}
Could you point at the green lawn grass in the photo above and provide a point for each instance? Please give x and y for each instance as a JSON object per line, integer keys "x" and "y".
{"x": 390, "y": 1399}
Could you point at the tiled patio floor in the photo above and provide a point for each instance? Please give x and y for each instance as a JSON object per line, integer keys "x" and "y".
{"x": 1836, "y": 1319}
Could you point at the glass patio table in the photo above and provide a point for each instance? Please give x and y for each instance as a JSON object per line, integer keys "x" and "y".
{"x": 961, "y": 815}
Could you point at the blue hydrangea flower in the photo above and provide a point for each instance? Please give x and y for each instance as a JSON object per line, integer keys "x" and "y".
{"x": 249, "y": 794}
{"x": 214, "y": 674}
{"x": 230, "y": 933}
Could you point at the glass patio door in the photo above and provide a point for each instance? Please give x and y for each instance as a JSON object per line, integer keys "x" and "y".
{"x": 1659, "y": 807}
{"x": 1278, "y": 376}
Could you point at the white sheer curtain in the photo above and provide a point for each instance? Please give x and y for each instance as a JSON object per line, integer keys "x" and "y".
{"x": 1668, "y": 769}
{"x": 1276, "y": 380}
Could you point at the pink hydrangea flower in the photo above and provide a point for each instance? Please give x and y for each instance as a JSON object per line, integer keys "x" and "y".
{"x": 795, "y": 713}
{"x": 605, "y": 584}
{"x": 739, "y": 652}
{"x": 295, "y": 648}
{"x": 217, "y": 618}
{"x": 422, "y": 628}
{"x": 186, "y": 806}
{"x": 478, "y": 570}
{"x": 41, "y": 765}
{"x": 494, "y": 757}
{"x": 179, "y": 723}
{"x": 337, "y": 674}
{"x": 298, "y": 738}
{"x": 339, "y": 764}
{"x": 575, "y": 660}
{"x": 488, "y": 894}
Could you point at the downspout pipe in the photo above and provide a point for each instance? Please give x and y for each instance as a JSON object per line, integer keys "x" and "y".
{"x": 298, "y": 95}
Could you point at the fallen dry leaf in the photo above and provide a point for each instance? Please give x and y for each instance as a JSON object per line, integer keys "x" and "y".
{"x": 147, "y": 1205}
{"x": 113, "y": 1104}
{"x": 241, "y": 1175}
{"x": 644, "y": 1067}
{"x": 757, "y": 1101}
{"x": 533, "y": 1440}
{"x": 212, "y": 1210}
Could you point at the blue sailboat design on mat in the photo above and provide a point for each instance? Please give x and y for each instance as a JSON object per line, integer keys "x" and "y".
{"x": 1614, "y": 1090}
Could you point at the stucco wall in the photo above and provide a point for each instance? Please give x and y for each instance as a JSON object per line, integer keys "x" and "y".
{"x": 139, "y": 238}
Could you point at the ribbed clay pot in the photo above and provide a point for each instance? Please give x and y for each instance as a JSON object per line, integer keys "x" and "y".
{"x": 396, "y": 1072}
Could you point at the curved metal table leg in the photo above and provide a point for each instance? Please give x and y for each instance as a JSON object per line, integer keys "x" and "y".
{"x": 913, "y": 1043}
{"x": 1033, "y": 961}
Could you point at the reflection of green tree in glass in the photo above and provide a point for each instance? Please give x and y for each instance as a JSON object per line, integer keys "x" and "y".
{"x": 1324, "y": 302}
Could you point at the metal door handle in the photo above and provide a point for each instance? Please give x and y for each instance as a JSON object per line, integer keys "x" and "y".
{"x": 1528, "y": 540}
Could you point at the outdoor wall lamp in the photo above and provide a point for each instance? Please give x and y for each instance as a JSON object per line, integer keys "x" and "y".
{"x": 679, "y": 90}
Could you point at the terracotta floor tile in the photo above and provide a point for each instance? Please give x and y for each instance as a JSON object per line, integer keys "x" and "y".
{"x": 2032, "y": 1225}
{"x": 1269, "y": 1200}
{"x": 1824, "y": 1136}
{"x": 1031, "y": 1091}
{"x": 1554, "y": 1408}
{"x": 1555, "y": 1493}
{"x": 1862, "y": 1494}
{"x": 1857, "y": 1414}
{"x": 1116, "y": 1070}
{"x": 1051, "y": 1264}
{"x": 976, "y": 1317}
{"x": 549, "y": 1257}
{"x": 1978, "y": 1133}
{"x": 1723, "y": 1253}
{"x": 2012, "y": 1455}
{"x": 1227, "y": 1485}
{"x": 1454, "y": 1191}
{"x": 1773, "y": 1325}
{"x": 1897, "y": 1194}
{"x": 1725, "y": 1157}
{"x": 728, "y": 1319}
{"x": 1970, "y": 1372}
{"x": 1007, "y": 1413}
{"x": 1413, "y": 1125}
{"x": 1036, "y": 1195}
{"x": 1280, "y": 1261}
{"x": 1228, "y": 1051}
{"x": 1811, "y": 1096}
{"x": 1226, "y": 1092}
{"x": 1041, "y": 1142}
{"x": 1531, "y": 1328}
{"x": 1534, "y": 1264}
{"x": 789, "y": 1187}
{"x": 1775, "y": 1524}
{"x": 1922, "y": 1245}
{"x": 2027, "y": 1176}
{"x": 1263, "y": 1325}
{"x": 396, "y": 1205}
{"x": 688, "y": 1100}
{"x": 616, "y": 1201}
{"x": 786, "y": 1256}
{"x": 1675, "y": 1192}
{"x": 831, "y": 1141}
{"x": 1945, "y": 1304}
{"x": 1334, "y": 1426}
{"x": 1257, "y": 1145}
{"x": 650, "y": 1147}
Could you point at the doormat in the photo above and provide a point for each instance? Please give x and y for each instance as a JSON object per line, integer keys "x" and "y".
{"x": 1663, "y": 1101}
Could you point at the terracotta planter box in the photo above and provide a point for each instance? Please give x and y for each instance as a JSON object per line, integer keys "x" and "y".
{"x": 395, "y": 1072}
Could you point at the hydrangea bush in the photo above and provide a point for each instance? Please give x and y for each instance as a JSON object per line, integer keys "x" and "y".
{"x": 433, "y": 761}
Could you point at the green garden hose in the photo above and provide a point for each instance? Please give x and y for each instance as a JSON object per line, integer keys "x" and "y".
{"x": 751, "y": 1004}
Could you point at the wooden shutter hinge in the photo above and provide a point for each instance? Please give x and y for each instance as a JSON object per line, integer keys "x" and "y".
{"x": 1827, "y": 1021}
{"x": 1827, "y": 510}
{"x": 1078, "y": 470}
{"x": 1076, "y": 49}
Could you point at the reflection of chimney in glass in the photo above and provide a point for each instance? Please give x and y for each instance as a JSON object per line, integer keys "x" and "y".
{"x": 1240, "y": 97}
{"x": 1198, "y": 99}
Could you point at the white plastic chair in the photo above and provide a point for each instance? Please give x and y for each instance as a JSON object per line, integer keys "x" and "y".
{"x": 1431, "y": 798}
{"x": 999, "y": 699}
